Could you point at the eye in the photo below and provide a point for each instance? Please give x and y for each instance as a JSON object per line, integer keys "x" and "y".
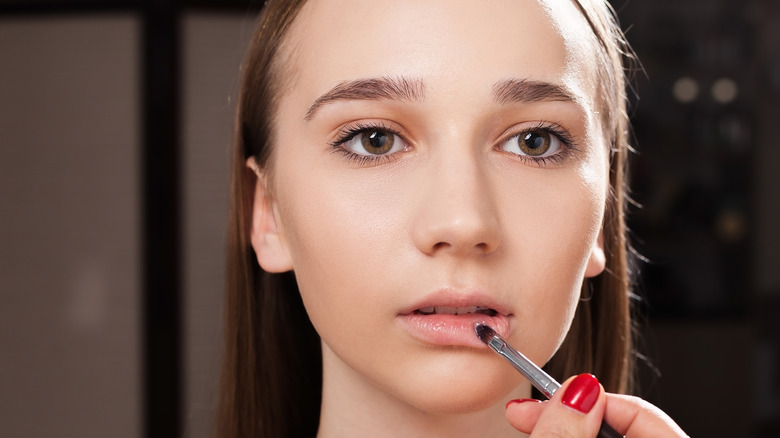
{"x": 537, "y": 143}
{"x": 373, "y": 141}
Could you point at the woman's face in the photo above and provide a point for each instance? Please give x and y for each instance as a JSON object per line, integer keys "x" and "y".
{"x": 436, "y": 164}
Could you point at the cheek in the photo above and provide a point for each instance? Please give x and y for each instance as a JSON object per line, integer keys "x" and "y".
{"x": 555, "y": 224}
{"x": 349, "y": 264}
{"x": 339, "y": 236}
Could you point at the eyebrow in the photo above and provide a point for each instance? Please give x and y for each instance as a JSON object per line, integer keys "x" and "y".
{"x": 405, "y": 89}
{"x": 392, "y": 88}
{"x": 528, "y": 91}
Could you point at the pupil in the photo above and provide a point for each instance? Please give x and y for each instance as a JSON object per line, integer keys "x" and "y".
{"x": 534, "y": 141}
{"x": 377, "y": 142}
{"x": 377, "y": 139}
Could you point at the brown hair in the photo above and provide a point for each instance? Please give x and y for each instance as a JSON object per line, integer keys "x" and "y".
{"x": 269, "y": 390}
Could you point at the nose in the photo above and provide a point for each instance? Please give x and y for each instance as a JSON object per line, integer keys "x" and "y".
{"x": 456, "y": 209}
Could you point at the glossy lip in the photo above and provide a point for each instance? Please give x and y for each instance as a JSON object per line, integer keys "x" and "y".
{"x": 454, "y": 330}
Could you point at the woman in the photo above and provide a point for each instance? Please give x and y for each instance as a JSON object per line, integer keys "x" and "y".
{"x": 404, "y": 170}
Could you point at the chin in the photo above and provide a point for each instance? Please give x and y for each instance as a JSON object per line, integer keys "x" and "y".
{"x": 461, "y": 403}
{"x": 458, "y": 401}
{"x": 452, "y": 387}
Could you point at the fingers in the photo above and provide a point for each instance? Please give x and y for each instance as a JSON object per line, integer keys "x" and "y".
{"x": 523, "y": 414}
{"x": 636, "y": 418}
{"x": 575, "y": 410}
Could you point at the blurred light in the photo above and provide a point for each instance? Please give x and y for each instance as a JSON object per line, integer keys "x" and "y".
{"x": 731, "y": 225}
{"x": 685, "y": 90}
{"x": 724, "y": 90}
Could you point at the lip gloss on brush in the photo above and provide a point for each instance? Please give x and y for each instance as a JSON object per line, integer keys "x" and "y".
{"x": 541, "y": 380}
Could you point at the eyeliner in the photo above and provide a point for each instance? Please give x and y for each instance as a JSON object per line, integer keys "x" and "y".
{"x": 541, "y": 380}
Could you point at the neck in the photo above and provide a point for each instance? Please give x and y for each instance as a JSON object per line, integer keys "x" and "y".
{"x": 352, "y": 406}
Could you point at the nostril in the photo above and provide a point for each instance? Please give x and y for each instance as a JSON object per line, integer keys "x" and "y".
{"x": 481, "y": 247}
{"x": 457, "y": 236}
{"x": 440, "y": 245}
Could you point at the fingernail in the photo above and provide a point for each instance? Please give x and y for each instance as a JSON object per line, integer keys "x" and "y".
{"x": 582, "y": 393}
{"x": 522, "y": 400}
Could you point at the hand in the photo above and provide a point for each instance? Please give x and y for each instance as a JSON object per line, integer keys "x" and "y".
{"x": 578, "y": 407}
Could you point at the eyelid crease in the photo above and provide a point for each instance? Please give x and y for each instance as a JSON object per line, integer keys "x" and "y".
{"x": 351, "y": 130}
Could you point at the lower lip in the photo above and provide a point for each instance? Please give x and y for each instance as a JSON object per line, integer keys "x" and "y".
{"x": 454, "y": 330}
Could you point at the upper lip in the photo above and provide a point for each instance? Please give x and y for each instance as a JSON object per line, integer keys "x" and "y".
{"x": 459, "y": 299}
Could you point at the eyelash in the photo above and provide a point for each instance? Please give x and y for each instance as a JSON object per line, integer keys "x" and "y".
{"x": 568, "y": 143}
{"x": 349, "y": 132}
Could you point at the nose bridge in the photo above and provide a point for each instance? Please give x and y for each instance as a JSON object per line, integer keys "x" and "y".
{"x": 456, "y": 212}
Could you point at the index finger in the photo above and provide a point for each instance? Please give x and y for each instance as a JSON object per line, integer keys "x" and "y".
{"x": 575, "y": 410}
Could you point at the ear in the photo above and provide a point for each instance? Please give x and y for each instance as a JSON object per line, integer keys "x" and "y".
{"x": 597, "y": 260}
{"x": 269, "y": 245}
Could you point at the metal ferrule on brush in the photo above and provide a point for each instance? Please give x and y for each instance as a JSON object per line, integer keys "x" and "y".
{"x": 541, "y": 380}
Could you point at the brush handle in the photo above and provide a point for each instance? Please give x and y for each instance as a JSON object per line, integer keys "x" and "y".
{"x": 541, "y": 380}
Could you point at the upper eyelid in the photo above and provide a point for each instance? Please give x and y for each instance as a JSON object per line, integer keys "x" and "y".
{"x": 556, "y": 129}
{"x": 348, "y": 130}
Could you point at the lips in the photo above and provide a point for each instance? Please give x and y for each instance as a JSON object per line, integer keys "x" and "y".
{"x": 448, "y": 319}
{"x": 438, "y": 310}
{"x": 452, "y": 302}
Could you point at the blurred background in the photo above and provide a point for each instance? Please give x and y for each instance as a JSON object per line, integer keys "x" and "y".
{"x": 115, "y": 128}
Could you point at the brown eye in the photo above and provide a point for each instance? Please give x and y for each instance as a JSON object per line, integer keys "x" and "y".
{"x": 370, "y": 142}
{"x": 377, "y": 142}
{"x": 534, "y": 143}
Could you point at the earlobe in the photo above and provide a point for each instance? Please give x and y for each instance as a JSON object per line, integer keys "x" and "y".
{"x": 597, "y": 260}
{"x": 267, "y": 241}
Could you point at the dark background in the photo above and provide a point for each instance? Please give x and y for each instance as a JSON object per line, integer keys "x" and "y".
{"x": 115, "y": 126}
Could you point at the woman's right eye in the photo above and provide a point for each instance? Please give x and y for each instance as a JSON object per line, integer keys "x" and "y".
{"x": 373, "y": 141}
{"x": 369, "y": 144}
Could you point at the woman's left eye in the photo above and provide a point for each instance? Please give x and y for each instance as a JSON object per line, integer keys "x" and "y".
{"x": 536, "y": 143}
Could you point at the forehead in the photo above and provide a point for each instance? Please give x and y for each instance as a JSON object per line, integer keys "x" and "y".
{"x": 451, "y": 45}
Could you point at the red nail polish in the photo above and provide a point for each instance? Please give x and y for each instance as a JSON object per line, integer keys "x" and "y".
{"x": 522, "y": 400}
{"x": 582, "y": 393}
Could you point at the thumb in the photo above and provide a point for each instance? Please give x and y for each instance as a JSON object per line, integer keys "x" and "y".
{"x": 638, "y": 418}
{"x": 575, "y": 410}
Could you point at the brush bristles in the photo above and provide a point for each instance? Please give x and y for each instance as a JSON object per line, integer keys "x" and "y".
{"x": 484, "y": 332}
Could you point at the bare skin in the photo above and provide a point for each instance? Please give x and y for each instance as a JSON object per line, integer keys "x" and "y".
{"x": 477, "y": 177}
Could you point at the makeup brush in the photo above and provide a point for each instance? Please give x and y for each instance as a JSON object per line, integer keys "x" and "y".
{"x": 541, "y": 380}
